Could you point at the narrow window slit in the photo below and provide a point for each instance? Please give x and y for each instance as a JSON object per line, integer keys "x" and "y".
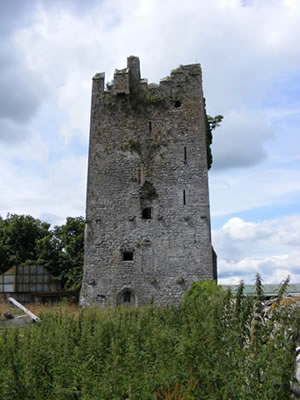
{"x": 140, "y": 175}
{"x": 150, "y": 130}
{"x": 185, "y": 154}
{"x": 184, "y": 198}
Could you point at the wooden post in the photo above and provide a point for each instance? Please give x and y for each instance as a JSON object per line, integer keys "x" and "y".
{"x": 26, "y": 311}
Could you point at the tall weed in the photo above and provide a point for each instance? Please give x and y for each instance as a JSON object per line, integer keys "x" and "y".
{"x": 209, "y": 347}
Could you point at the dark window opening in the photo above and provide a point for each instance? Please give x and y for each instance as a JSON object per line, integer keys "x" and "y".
{"x": 127, "y": 296}
{"x": 185, "y": 155}
{"x": 146, "y": 213}
{"x": 121, "y": 96}
{"x": 150, "y": 130}
{"x": 127, "y": 255}
{"x": 184, "y": 198}
{"x": 177, "y": 104}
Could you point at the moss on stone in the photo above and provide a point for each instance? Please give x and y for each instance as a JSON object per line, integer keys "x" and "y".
{"x": 135, "y": 146}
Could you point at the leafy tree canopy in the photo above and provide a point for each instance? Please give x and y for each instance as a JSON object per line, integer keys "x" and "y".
{"x": 24, "y": 239}
{"x": 61, "y": 252}
{"x": 19, "y": 235}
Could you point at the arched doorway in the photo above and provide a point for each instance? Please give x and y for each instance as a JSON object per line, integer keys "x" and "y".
{"x": 126, "y": 298}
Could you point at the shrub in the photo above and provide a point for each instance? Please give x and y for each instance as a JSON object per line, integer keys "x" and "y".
{"x": 202, "y": 349}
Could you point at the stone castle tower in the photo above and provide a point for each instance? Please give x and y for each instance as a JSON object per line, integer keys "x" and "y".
{"x": 148, "y": 223}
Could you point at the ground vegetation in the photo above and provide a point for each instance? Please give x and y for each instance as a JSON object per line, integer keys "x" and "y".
{"x": 213, "y": 346}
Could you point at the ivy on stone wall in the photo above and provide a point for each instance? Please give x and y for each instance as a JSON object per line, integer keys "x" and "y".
{"x": 211, "y": 124}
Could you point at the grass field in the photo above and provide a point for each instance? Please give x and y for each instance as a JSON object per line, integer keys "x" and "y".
{"x": 210, "y": 347}
{"x": 38, "y": 308}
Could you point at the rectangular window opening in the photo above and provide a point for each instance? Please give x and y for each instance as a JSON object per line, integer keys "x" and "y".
{"x": 184, "y": 198}
{"x": 147, "y": 213}
{"x": 127, "y": 255}
{"x": 185, "y": 155}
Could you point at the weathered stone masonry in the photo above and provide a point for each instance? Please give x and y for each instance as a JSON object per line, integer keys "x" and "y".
{"x": 148, "y": 222}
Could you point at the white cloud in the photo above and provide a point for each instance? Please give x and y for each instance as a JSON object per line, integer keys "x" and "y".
{"x": 240, "y": 140}
{"x": 35, "y": 187}
{"x": 238, "y": 229}
{"x": 262, "y": 186}
{"x": 12, "y": 132}
{"x": 21, "y": 94}
{"x": 238, "y": 59}
{"x": 271, "y": 248}
{"x": 243, "y": 47}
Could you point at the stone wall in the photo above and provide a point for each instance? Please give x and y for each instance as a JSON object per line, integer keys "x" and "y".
{"x": 148, "y": 222}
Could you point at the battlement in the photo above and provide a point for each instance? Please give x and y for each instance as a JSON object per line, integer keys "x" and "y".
{"x": 128, "y": 81}
{"x": 121, "y": 81}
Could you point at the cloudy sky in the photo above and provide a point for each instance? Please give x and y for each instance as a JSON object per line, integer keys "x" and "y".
{"x": 250, "y": 57}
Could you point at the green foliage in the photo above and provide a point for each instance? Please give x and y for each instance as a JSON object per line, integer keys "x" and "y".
{"x": 109, "y": 86}
{"x": 211, "y": 124}
{"x": 24, "y": 239}
{"x": 19, "y": 235}
{"x": 135, "y": 146}
{"x": 214, "y": 122}
{"x": 257, "y": 323}
{"x": 282, "y": 290}
{"x": 61, "y": 252}
{"x": 200, "y": 350}
{"x": 153, "y": 98}
{"x": 203, "y": 290}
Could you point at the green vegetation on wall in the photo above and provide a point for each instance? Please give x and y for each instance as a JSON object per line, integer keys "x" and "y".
{"x": 211, "y": 124}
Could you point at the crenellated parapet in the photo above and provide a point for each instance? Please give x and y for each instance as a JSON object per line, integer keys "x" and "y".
{"x": 128, "y": 82}
{"x": 121, "y": 81}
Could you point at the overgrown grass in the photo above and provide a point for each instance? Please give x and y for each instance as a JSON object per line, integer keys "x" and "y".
{"x": 39, "y": 308}
{"x": 210, "y": 347}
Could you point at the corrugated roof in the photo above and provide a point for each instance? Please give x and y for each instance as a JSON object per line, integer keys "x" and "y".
{"x": 269, "y": 290}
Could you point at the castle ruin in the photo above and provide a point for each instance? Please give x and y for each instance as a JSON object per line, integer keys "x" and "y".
{"x": 148, "y": 235}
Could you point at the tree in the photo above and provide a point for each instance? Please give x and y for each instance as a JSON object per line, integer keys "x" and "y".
{"x": 19, "y": 235}
{"x": 24, "y": 239}
{"x": 61, "y": 252}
